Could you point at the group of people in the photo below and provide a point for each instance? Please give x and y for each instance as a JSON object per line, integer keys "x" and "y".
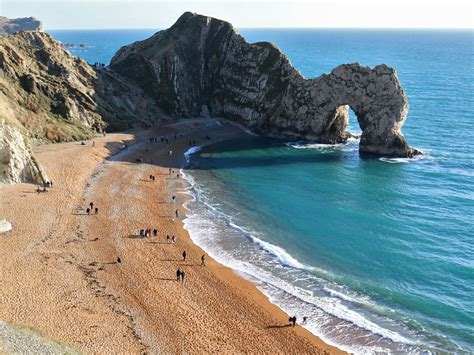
{"x": 147, "y": 232}
{"x": 202, "y": 258}
{"x": 91, "y": 209}
{"x": 44, "y": 187}
{"x": 162, "y": 139}
{"x": 98, "y": 65}
{"x": 180, "y": 275}
{"x": 292, "y": 320}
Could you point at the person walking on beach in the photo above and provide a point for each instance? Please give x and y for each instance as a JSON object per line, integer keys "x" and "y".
{"x": 96, "y": 210}
{"x": 184, "y": 255}
{"x": 202, "y": 261}
{"x": 176, "y": 213}
{"x": 182, "y": 276}
{"x": 305, "y": 319}
{"x": 173, "y": 239}
{"x": 155, "y": 232}
{"x": 88, "y": 210}
{"x": 91, "y": 205}
{"x": 178, "y": 274}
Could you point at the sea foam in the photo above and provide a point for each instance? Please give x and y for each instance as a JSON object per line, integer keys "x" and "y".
{"x": 202, "y": 224}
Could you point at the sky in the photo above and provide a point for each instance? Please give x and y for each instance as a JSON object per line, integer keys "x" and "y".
{"x": 98, "y": 14}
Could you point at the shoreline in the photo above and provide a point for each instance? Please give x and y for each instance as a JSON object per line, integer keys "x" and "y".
{"x": 135, "y": 304}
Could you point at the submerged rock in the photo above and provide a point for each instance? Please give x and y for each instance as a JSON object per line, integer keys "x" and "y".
{"x": 201, "y": 66}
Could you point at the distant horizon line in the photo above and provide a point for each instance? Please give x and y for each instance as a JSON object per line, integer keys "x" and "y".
{"x": 278, "y": 28}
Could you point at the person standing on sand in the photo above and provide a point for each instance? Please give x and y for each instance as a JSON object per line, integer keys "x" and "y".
{"x": 176, "y": 213}
{"x": 182, "y": 276}
{"x": 184, "y": 255}
{"x": 173, "y": 198}
{"x": 178, "y": 274}
{"x": 155, "y": 232}
{"x": 88, "y": 210}
{"x": 202, "y": 261}
{"x": 91, "y": 205}
{"x": 96, "y": 210}
{"x": 173, "y": 239}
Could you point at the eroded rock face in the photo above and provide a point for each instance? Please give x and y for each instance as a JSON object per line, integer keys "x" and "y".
{"x": 17, "y": 162}
{"x": 201, "y": 66}
{"x": 9, "y": 26}
{"x": 49, "y": 95}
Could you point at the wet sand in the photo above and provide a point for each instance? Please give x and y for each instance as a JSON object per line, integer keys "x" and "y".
{"x": 58, "y": 266}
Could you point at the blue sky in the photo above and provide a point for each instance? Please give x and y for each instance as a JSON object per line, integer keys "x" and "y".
{"x": 72, "y": 14}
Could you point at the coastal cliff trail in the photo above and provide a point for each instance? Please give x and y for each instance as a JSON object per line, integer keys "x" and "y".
{"x": 59, "y": 270}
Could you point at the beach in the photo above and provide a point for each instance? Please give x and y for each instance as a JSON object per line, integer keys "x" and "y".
{"x": 91, "y": 283}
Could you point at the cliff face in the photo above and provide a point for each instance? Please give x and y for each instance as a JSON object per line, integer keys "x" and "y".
{"x": 9, "y": 26}
{"x": 202, "y": 67}
{"x": 48, "y": 94}
{"x": 17, "y": 162}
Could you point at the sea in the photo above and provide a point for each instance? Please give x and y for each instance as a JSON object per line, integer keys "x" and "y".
{"x": 377, "y": 253}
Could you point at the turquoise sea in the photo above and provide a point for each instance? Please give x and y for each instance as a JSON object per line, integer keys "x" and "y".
{"x": 378, "y": 253}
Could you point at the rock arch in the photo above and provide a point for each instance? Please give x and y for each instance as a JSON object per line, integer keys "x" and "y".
{"x": 377, "y": 99}
{"x": 201, "y": 66}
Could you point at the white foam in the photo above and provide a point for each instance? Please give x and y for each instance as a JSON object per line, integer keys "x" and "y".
{"x": 350, "y": 144}
{"x": 283, "y": 256}
{"x": 402, "y": 160}
{"x": 203, "y": 231}
{"x": 191, "y": 151}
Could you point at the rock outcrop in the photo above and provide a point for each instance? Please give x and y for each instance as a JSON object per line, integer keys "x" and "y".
{"x": 9, "y": 26}
{"x": 48, "y": 94}
{"x": 201, "y": 66}
{"x": 17, "y": 162}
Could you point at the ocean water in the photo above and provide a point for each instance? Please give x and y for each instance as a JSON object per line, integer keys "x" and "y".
{"x": 377, "y": 253}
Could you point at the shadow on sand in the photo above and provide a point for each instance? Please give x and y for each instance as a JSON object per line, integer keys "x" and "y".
{"x": 278, "y": 326}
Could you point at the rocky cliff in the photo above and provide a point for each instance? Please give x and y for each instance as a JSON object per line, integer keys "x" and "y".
{"x": 9, "y": 26}
{"x": 17, "y": 162}
{"x": 201, "y": 66}
{"x": 48, "y": 94}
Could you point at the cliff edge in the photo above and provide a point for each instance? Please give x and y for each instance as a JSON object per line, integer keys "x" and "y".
{"x": 10, "y": 26}
{"x": 46, "y": 94}
{"x": 201, "y": 66}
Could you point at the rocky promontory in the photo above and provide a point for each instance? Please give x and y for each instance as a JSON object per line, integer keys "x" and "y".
{"x": 201, "y": 66}
{"x": 9, "y": 26}
{"x": 46, "y": 94}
